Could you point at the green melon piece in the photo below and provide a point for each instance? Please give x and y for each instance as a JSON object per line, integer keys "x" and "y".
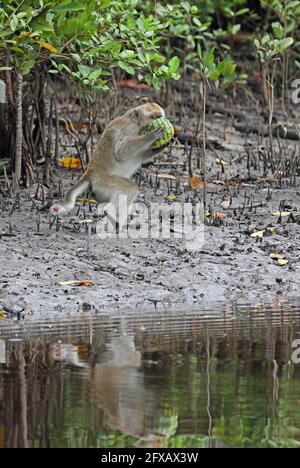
{"x": 157, "y": 123}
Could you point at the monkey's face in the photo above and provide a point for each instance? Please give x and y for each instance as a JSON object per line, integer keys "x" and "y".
{"x": 147, "y": 112}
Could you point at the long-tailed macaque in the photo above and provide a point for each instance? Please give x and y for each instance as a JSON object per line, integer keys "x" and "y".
{"x": 118, "y": 155}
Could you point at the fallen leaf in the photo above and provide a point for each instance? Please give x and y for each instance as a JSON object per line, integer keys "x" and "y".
{"x": 277, "y": 256}
{"x": 47, "y": 46}
{"x": 88, "y": 200}
{"x": 70, "y": 163}
{"x": 272, "y": 231}
{"x": 3, "y": 314}
{"x": 225, "y": 204}
{"x": 282, "y": 214}
{"x": 222, "y": 162}
{"x": 283, "y": 261}
{"x": 233, "y": 183}
{"x": 77, "y": 283}
{"x": 258, "y": 234}
{"x": 196, "y": 183}
{"x": 86, "y": 221}
{"x": 162, "y": 176}
{"x": 208, "y": 214}
{"x": 170, "y": 197}
{"x": 177, "y": 131}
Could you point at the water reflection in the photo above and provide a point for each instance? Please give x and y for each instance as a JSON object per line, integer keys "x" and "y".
{"x": 199, "y": 379}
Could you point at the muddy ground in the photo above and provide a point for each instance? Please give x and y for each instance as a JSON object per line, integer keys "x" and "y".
{"x": 230, "y": 266}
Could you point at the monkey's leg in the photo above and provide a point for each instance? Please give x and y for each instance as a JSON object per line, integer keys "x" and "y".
{"x": 120, "y": 194}
{"x": 70, "y": 198}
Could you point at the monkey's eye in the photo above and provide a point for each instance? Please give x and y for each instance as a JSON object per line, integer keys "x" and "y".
{"x": 154, "y": 117}
{"x": 136, "y": 114}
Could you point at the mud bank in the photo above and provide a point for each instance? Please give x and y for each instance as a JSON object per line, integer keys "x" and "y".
{"x": 230, "y": 266}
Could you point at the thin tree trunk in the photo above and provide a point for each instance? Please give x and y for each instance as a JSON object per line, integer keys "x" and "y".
{"x": 19, "y": 128}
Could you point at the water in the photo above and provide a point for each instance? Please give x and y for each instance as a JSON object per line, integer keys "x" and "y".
{"x": 203, "y": 378}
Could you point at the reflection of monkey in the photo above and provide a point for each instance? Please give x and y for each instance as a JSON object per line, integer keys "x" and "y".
{"x": 118, "y": 154}
{"x": 119, "y": 387}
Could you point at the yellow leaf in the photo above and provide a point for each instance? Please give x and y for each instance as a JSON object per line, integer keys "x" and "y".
{"x": 161, "y": 176}
{"x": 283, "y": 214}
{"x": 261, "y": 234}
{"x": 272, "y": 231}
{"x": 258, "y": 234}
{"x": 77, "y": 283}
{"x": 47, "y": 46}
{"x": 219, "y": 215}
{"x": 277, "y": 256}
{"x": 70, "y": 163}
{"x": 88, "y": 200}
{"x": 86, "y": 221}
{"x": 222, "y": 162}
{"x": 170, "y": 197}
{"x": 3, "y": 314}
{"x": 283, "y": 261}
{"x": 24, "y": 35}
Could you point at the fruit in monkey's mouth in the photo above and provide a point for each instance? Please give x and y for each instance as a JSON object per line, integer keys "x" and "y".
{"x": 157, "y": 123}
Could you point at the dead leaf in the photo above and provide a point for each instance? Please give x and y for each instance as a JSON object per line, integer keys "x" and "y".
{"x": 70, "y": 163}
{"x": 280, "y": 259}
{"x": 196, "y": 183}
{"x": 162, "y": 176}
{"x": 86, "y": 221}
{"x": 258, "y": 234}
{"x": 25, "y": 35}
{"x": 3, "y": 314}
{"x": 208, "y": 214}
{"x": 47, "y": 46}
{"x": 222, "y": 162}
{"x": 170, "y": 197}
{"x": 283, "y": 261}
{"x": 277, "y": 256}
{"x": 233, "y": 183}
{"x": 282, "y": 214}
{"x": 77, "y": 283}
{"x": 88, "y": 200}
{"x": 226, "y": 204}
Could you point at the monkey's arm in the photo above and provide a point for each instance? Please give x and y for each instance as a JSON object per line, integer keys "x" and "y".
{"x": 136, "y": 147}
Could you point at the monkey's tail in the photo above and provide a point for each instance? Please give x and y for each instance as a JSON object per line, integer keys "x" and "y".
{"x": 70, "y": 199}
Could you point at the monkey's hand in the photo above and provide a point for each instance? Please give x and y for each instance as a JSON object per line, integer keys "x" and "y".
{"x": 154, "y": 135}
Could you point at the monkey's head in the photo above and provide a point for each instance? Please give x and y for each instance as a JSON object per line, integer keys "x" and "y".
{"x": 144, "y": 113}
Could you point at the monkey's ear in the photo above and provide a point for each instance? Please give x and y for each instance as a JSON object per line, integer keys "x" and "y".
{"x": 136, "y": 115}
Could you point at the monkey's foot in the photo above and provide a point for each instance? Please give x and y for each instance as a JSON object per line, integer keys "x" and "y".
{"x": 57, "y": 210}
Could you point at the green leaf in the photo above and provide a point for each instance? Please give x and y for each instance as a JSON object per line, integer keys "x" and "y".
{"x": 105, "y": 4}
{"x": 125, "y": 66}
{"x": 257, "y": 43}
{"x": 278, "y": 30}
{"x": 72, "y": 6}
{"x": 285, "y": 43}
{"x": 174, "y": 64}
{"x": 14, "y": 23}
{"x": 95, "y": 74}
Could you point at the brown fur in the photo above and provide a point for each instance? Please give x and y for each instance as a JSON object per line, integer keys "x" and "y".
{"x": 119, "y": 153}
